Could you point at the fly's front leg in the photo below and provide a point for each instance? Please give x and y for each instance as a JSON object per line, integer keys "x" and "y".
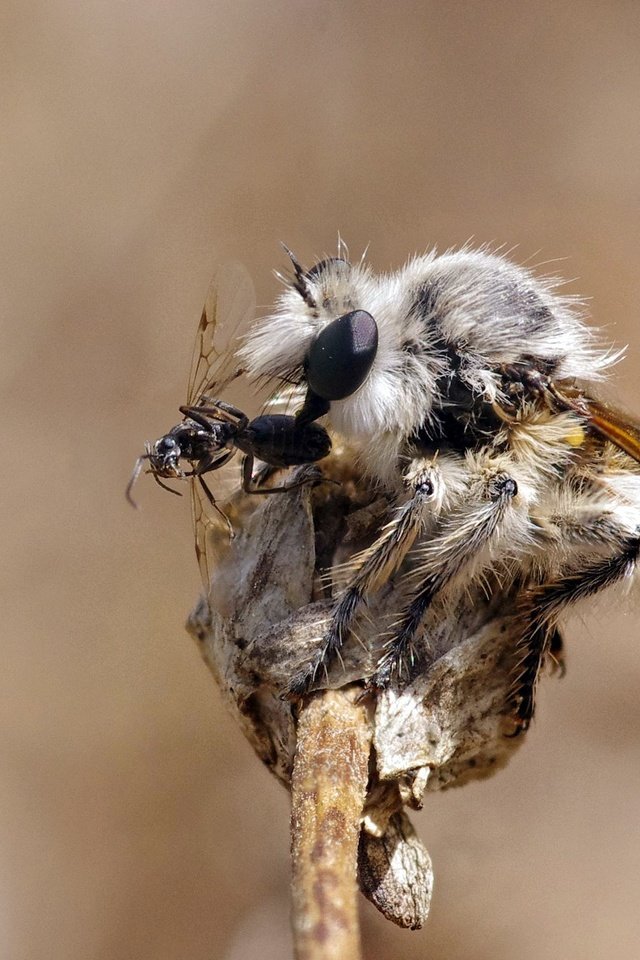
{"x": 372, "y": 568}
{"x": 461, "y": 547}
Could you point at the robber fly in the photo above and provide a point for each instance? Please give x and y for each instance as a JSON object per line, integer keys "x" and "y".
{"x": 212, "y": 430}
{"x": 509, "y": 477}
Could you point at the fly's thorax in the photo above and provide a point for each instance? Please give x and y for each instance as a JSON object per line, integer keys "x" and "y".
{"x": 495, "y": 311}
{"x": 545, "y": 442}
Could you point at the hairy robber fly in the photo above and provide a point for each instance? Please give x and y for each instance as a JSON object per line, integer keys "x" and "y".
{"x": 477, "y": 415}
{"x": 213, "y": 430}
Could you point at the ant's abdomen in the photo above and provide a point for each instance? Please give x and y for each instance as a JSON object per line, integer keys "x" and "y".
{"x": 283, "y": 442}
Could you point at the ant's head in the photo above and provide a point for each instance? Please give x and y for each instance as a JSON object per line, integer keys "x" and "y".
{"x": 163, "y": 457}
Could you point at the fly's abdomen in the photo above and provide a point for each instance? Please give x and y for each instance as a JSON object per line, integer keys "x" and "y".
{"x": 282, "y": 442}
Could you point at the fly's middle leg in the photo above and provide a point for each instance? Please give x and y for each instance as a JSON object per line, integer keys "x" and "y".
{"x": 372, "y": 568}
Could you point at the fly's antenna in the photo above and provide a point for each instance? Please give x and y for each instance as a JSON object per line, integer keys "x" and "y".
{"x": 300, "y": 283}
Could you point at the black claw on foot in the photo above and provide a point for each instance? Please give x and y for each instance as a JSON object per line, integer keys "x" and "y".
{"x": 300, "y": 684}
{"x": 521, "y": 719}
{"x": 365, "y": 693}
{"x": 394, "y": 666}
{"x": 380, "y": 680}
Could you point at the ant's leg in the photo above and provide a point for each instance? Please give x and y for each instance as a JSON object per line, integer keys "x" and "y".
{"x": 228, "y": 408}
{"x": 263, "y": 475}
{"x": 461, "y": 547}
{"x": 212, "y": 500}
{"x": 213, "y": 463}
{"x": 165, "y": 486}
{"x": 219, "y": 409}
{"x": 371, "y": 569}
{"x": 247, "y": 480}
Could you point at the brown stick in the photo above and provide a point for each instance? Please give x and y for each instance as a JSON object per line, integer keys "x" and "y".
{"x": 328, "y": 791}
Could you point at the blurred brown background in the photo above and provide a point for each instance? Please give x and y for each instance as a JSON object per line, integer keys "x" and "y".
{"x": 141, "y": 144}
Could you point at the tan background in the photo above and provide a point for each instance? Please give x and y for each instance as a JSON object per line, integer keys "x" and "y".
{"x": 142, "y": 142}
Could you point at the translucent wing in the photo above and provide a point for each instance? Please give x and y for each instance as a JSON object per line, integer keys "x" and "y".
{"x": 619, "y": 427}
{"x": 216, "y": 374}
{"x": 203, "y": 527}
{"x": 229, "y": 307}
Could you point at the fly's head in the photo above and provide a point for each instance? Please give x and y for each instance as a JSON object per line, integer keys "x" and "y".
{"x": 322, "y": 334}
{"x": 352, "y": 339}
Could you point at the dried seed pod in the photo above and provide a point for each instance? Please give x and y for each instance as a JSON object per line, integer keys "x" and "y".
{"x": 269, "y": 600}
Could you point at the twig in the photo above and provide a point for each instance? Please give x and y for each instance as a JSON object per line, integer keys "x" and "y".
{"x": 329, "y": 784}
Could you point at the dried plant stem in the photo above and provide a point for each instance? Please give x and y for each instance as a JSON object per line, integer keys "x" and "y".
{"x": 329, "y": 784}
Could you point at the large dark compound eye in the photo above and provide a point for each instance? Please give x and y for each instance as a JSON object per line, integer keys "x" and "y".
{"x": 342, "y": 355}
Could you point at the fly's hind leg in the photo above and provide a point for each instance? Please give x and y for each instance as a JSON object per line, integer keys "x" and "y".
{"x": 541, "y": 606}
{"x": 372, "y": 568}
{"x": 468, "y": 538}
{"x": 557, "y": 653}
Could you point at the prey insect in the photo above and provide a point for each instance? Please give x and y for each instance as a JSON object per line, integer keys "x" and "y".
{"x": 212, "y": 430}
{"x": 477, "y": 415}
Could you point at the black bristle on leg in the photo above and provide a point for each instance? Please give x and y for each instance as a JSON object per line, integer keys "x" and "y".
{"x": 534, "y": 646}
{"x": 333, "y": 643}
{"x": 401, "y": 647}
{"x": 541, "y": 608}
